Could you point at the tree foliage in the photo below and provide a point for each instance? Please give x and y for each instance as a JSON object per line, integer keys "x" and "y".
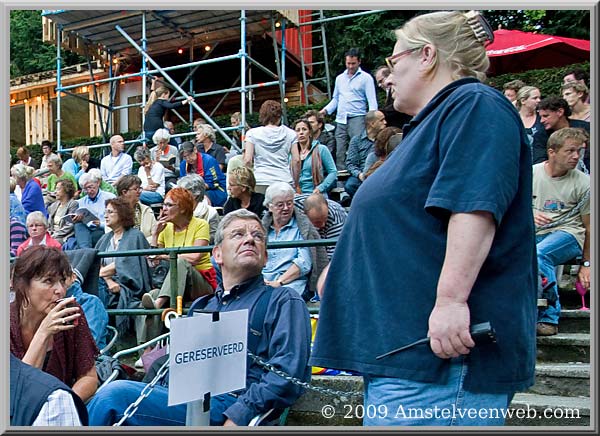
{"x": 28, "y": 53}
{"x": 568, "y": 23}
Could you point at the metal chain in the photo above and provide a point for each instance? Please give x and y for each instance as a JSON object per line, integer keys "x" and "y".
{"x": 299, "y": 382}
{"x": 133, "y": 407}
{"x": 568, "y": 215}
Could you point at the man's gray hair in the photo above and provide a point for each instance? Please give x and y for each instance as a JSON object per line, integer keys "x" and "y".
{"x": 242, "y": 214}
{"x": 277, "y": 189}
{"x": 195, "y": 184}
{"x": 93, "y": 175}
{"x": 161, "y": 135}
{"x": 208, "y": 131}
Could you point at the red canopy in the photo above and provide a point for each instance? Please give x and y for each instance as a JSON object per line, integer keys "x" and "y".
{"x": 514, "y": 51}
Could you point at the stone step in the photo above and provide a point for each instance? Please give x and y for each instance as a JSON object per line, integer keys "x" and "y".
{"x": 565, "y": 379}
{"x": 564, "y": 347}
{"x": 549, "y": 410}
{"x": 574, "y": 321}
{"x": 311, "y": 407}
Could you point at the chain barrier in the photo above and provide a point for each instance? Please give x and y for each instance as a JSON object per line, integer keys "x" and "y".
{"x": 133, "y": 407}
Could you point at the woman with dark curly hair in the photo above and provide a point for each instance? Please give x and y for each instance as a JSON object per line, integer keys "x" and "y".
{"x": 48, "y": 331}
{"x": 123, "y": 280}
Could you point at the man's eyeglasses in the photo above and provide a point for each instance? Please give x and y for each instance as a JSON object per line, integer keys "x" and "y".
{"x": 389, "y": 61}
{"x": 134, "y": 189}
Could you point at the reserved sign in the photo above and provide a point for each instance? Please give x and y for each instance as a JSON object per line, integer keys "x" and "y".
{"x": 207, "y": 356}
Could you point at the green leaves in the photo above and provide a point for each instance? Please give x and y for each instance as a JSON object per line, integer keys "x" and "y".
{"x": 28, "y": 54}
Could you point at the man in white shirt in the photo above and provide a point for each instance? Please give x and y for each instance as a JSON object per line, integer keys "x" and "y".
{"x": 353, "y": 95}
{"x": 117, "y": 163}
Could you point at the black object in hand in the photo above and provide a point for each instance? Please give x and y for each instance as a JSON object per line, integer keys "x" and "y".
{"x": 482, "y": 333}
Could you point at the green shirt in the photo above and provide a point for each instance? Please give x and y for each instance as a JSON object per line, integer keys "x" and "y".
{"x": 53, "y": 179}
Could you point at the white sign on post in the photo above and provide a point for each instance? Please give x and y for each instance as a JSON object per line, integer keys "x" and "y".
{"x": 207, "y": 356}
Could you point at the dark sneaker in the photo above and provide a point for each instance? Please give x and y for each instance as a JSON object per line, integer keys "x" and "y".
{"x": 545, "y": 329}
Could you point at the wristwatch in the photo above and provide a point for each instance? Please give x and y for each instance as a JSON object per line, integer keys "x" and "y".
{"x": 585, "y": 263}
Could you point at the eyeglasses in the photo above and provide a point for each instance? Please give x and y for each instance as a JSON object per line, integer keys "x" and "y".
{"x": 281, "y": 204}
{"x": 389, "y": 60}
{"x": 169, "y": 204}
{"x": 90, "y": 187}
{"x": 36, "y": 225}
{"x": 109, "y": 212}
{"x": 138, "y": 189}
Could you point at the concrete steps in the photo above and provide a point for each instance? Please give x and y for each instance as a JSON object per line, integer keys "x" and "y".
{"x": 574, "y": 321}
{"x": 549, "y": 410}
{"x": 564, "y": 347}
{"x": 566, "y": 379}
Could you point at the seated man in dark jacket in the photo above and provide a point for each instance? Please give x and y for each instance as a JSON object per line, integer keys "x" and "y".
{"x": 40, "y": 399}
{"x": 240, "y": 251}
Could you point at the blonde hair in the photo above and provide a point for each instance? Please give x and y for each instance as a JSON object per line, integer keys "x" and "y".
{"x": 578, "y": 87}
{"x": 524, "y": 93}
{"x": 455, "y": 39}
{"x": 79, "y": 152}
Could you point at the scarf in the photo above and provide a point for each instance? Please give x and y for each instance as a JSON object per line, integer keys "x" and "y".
{"x": 199, "y": 169}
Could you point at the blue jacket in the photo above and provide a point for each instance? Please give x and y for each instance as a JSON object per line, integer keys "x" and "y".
{"x": 29, "y": 390}
{"x": 213, "y": 177}
{"x": 285, "y": 344}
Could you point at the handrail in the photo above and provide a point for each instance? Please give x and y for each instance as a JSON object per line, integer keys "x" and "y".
{"x": 174, "y": 251}
{"x": 209, "y": 248}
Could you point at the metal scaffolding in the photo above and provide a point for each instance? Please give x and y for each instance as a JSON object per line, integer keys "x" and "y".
{"x": 103, "y": 28}
{"x": 64, "y": 21}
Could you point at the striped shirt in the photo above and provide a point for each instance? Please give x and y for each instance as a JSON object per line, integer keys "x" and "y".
{"x": 336, "y": 217}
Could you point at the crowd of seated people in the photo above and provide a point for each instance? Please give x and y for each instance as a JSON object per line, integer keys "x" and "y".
{"x": 296, "y": 171}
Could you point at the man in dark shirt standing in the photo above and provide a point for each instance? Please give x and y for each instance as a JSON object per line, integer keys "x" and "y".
{"x": 554, "y": 115}
{"x": 241, "y": 252}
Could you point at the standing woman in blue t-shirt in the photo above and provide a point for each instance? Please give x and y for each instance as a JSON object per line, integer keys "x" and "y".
{"x": 452, "y": 206}
{"x": 156, "y": 107}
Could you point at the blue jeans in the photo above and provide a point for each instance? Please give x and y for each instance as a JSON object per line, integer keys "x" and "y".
{"x": 343, "y": 134}
{"x": 150, "y": 197}
{"x": 554, "y": 249}
{"x": 352, "y": 185}
{"x": 399, "y": 402}
{"x": 107, "y": 406}
{"x": 86, "y": 237}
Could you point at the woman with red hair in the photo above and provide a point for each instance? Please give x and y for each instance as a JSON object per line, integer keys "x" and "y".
{"x": 177, "y": 227}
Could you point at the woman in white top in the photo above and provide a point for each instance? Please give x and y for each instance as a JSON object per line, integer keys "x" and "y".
{"x": 152, "y": 175}
{"x": 268, "y": 148}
